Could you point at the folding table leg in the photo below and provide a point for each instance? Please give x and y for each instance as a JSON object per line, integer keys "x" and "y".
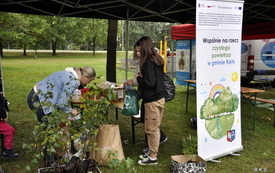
{"x": 2, "y": 143}
{"x": 116, "y": 113}
{"x": 187, "y": 93}
{"x": 254, "y": 105}
{"x": 133, "y": 130}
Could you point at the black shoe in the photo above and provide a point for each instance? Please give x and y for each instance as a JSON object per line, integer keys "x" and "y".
{"x": 148, "y": 161}
{"x": 163, "y": 137}
{"x": 194, "y": 122}
{"x": 8, "y": 153}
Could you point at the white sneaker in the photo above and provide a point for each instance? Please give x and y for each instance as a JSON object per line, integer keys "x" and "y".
{"x": 148, "y": 161}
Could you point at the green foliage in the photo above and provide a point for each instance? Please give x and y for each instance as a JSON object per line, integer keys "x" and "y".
{"x": 56, "y": 132}
{"x": 190, "y": 145}
{"x": 120, "y": 165}
{"x": 26, "y": 31}
{"x": 155, "y": 30}
{"x": 47, "y": 137}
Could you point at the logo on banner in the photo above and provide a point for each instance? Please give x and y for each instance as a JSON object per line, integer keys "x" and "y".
{"x": 231, "y": 135}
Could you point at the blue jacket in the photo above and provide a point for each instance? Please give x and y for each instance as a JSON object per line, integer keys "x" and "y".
{"x": 55, "y": 91}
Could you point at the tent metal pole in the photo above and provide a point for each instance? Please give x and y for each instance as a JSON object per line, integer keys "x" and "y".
{"x": 2, "y": 92}
{"x": 126, "y": 44}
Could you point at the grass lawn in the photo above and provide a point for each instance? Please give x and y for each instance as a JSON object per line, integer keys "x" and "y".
{"x": 20, "y": 73}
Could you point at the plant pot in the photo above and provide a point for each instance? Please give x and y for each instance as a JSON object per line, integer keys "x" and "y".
{"x": 187, "y": 163}
{"x": 58, "y": 169}
{"x": 83, "y": 167}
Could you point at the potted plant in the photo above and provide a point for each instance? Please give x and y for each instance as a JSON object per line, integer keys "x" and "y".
{"x": 190, "y": 161}
{"x": 56, "y": 136}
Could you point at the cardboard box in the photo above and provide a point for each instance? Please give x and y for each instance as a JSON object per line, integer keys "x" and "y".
{"x": 119, "y": 91}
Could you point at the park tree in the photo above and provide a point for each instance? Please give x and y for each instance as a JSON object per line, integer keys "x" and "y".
{"x": 28, "y": 31}
{"x": 23, "y": 31}
{"x": 99, "y": 32}
{"x": 155, "y": 30}
{"x": 76, "y": 37}
{"x": 76, "y": 33}
{"x": 95, "y": 34}
{"x": 32, "y": 29}
{"x": 8, "y": 29}
{"x": 59, "y": 30}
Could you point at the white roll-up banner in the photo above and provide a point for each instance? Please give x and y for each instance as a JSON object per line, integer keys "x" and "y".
{"x": 218, "y": 56}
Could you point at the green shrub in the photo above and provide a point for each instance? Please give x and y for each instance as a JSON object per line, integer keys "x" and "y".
{"x": 190, "y": 145}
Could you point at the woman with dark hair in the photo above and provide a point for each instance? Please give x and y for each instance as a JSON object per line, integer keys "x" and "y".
{"x": 136, "y": 57}
{"x": 150, "y": 83}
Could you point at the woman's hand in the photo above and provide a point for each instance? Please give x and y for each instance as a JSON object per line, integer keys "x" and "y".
{"x": 74, "y": 115}
{"x": 138, "y": 74}
{"x": 129, "y": 82}
{"x": 4, "y": 120}
{"x": 74, "y": 112}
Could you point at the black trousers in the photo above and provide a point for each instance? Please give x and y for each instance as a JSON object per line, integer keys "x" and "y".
{"x": 32, "y": 98}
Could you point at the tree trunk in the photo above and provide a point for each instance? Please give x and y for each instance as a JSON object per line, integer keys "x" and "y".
{"x": 94, "y": 45}
{"x": 25, "y": 52}
{"x": 1, "y": 50}
{"x": 54, "y": 48}
{"x": 111, "y": 50}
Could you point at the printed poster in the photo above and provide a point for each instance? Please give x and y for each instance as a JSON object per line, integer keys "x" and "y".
{"x": 218, "y": 47}
{"x": 182, "y": 61}
{"x": 193, "y": 59}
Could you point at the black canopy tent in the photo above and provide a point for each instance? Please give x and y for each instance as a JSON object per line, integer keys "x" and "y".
{"x": 174, "y": 11}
